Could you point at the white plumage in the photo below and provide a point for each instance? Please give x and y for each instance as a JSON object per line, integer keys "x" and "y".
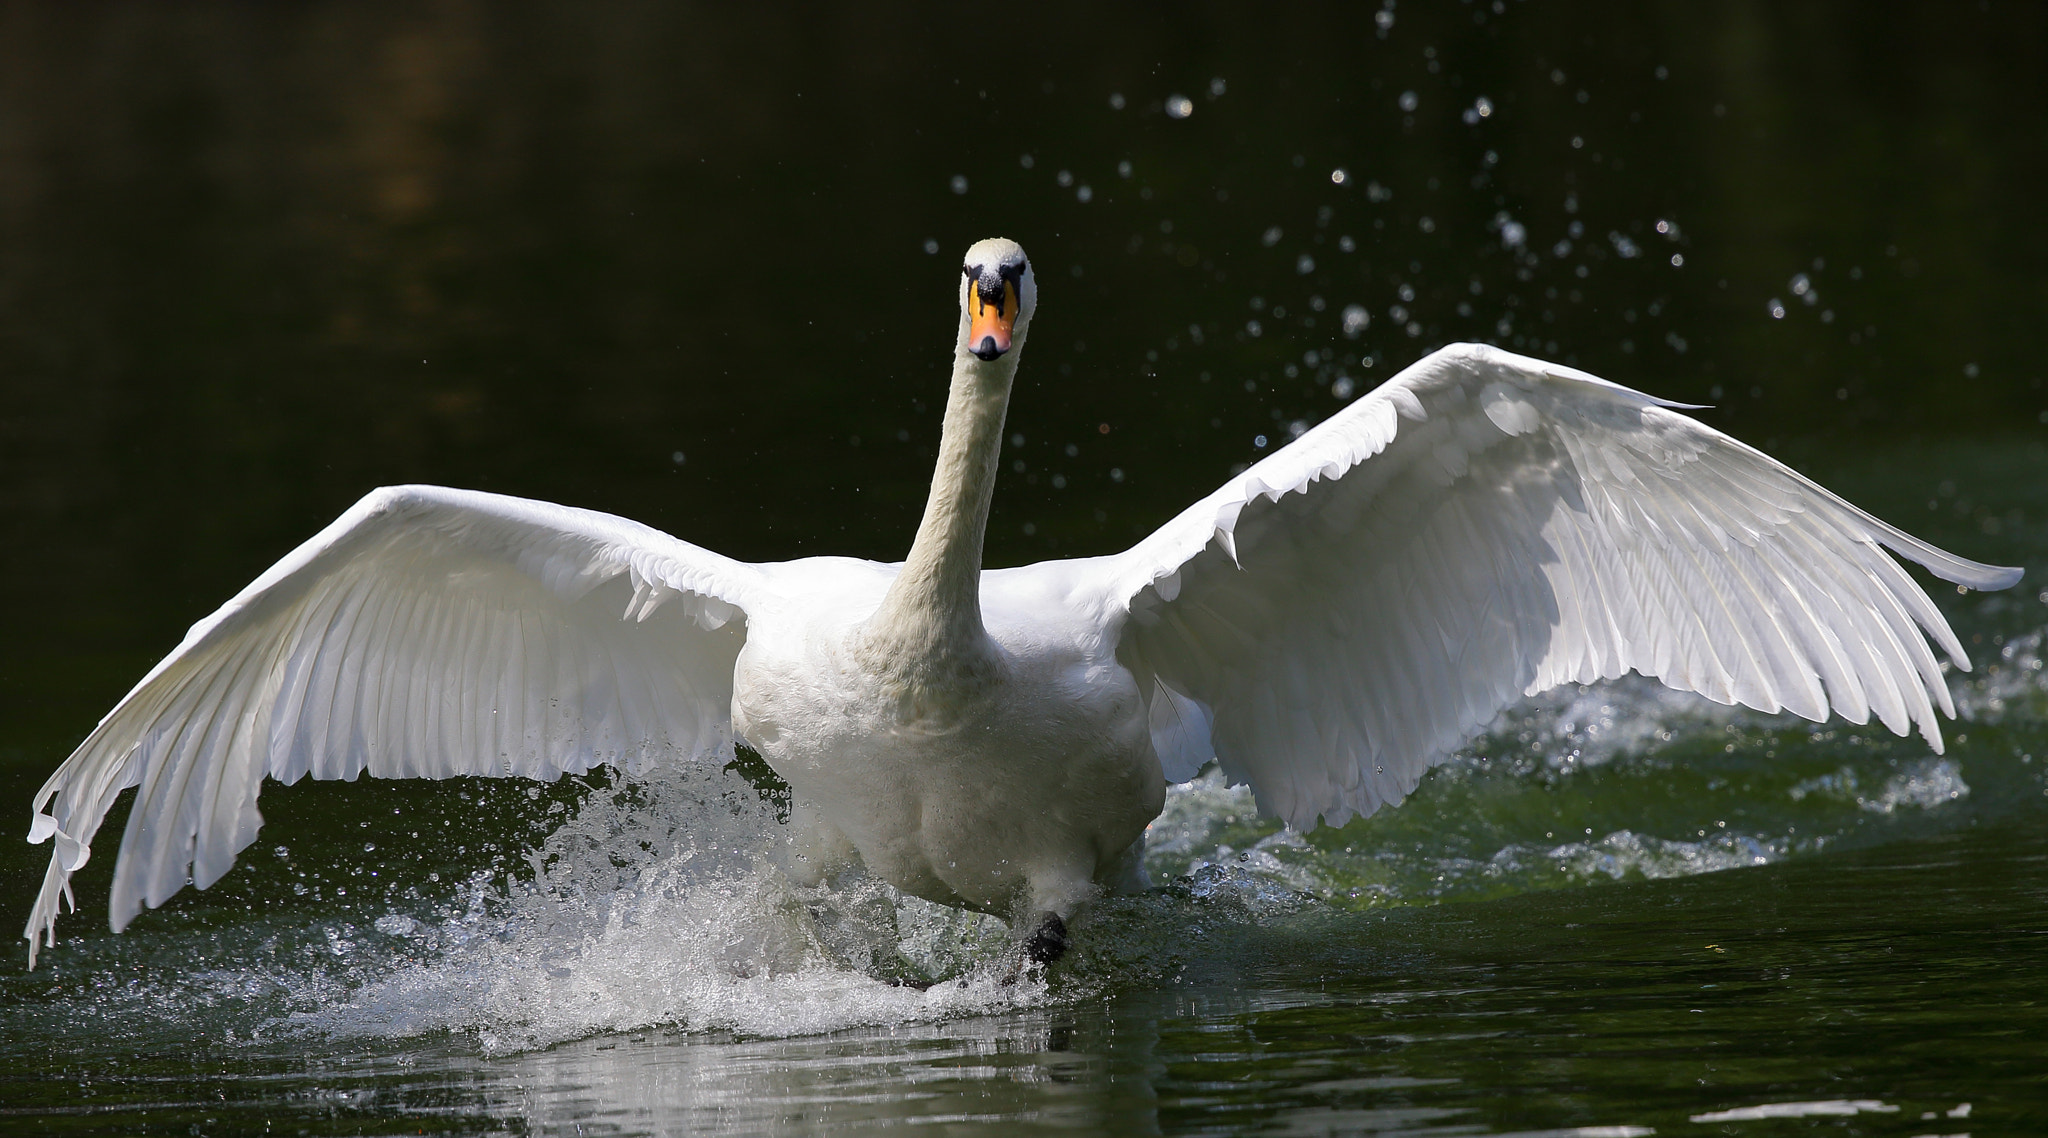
{"x": 1327, "y": 625}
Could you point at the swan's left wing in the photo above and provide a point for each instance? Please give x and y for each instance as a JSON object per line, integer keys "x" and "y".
{"x": 1484, "y": 526}
{"x": 427, "y": 633}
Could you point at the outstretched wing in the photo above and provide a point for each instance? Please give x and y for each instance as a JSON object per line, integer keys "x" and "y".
{"x": 1484, "y": 526}
{"x": 427, "y": 633}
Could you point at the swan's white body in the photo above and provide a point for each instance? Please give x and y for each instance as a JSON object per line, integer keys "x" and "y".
{"x": 1034, "y": 773}
{"x": 1326, "y": 625}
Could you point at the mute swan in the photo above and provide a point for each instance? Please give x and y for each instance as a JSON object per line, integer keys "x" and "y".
{"x": 1328, "y": 624}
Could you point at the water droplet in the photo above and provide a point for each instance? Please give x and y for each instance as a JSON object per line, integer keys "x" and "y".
{"x": 959, "y": 183}
{"x": 1180, "y": 106}
{"x": 1304, "y": 264}
{"x": 1343, "y": 388}
{"x": 1270, "y": 238}
{"x": 931, "y": 245}
{"x": 1356, "y": 321}
{"x": 1677, "y": 260}
{"x": 1217, "y": 87}
{"x": 1775, "y": 307}
{"x": 1123, "y": 169}
{"x": 1116, "y": 474}
{"x": 1409, "y": 101}
{"x": 1259, "y": 441}
{"x": 1339, "y": 176}
{"x": 1084, "y": 193}
{"x": 1116, "y": 101}
{"x": 676, "y": 457}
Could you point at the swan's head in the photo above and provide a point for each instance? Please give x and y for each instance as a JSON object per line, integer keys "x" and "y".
{"x": 997, "y": 296}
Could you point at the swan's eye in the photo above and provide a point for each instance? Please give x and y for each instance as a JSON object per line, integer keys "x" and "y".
{"x": 1014, "y": 271}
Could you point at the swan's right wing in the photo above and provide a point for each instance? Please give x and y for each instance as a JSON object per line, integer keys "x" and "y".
{"x": 427, "y": 633}
{"x": 1484, "y": 526}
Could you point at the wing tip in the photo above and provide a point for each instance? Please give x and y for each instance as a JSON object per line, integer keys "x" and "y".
{"x": 2001, "y": 577}
{"x": 1961, "y": 570}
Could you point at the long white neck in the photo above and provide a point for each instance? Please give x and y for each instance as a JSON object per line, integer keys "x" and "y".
{"x": 931, "y": 616}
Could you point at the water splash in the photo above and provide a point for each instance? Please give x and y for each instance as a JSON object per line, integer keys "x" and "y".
{"x": 670, "y": 902}
{"x": 1923, "y": 785}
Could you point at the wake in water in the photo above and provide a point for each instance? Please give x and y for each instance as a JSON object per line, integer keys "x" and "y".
{"x": 667, "y": 902}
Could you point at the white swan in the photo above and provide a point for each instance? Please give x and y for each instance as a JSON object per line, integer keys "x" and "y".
{"x": 1327, "y": 625}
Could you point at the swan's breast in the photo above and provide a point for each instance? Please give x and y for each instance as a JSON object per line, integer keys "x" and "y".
{"x": 1030, "y": 784}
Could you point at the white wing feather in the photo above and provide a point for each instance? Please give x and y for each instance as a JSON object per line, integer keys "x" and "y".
{"x": 1485, "y": 526}
{"x": 427, "y": 633}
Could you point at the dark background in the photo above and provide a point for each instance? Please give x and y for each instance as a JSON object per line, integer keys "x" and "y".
{"x": 258, "y": 259}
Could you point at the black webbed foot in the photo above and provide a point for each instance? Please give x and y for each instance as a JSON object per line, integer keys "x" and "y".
{"x": 1047, "y": 942}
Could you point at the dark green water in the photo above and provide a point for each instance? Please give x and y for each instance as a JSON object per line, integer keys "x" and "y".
{"x": 671, "y": 262}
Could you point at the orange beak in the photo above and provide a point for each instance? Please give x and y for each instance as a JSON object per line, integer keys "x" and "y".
{"x": 990, "y": 320}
